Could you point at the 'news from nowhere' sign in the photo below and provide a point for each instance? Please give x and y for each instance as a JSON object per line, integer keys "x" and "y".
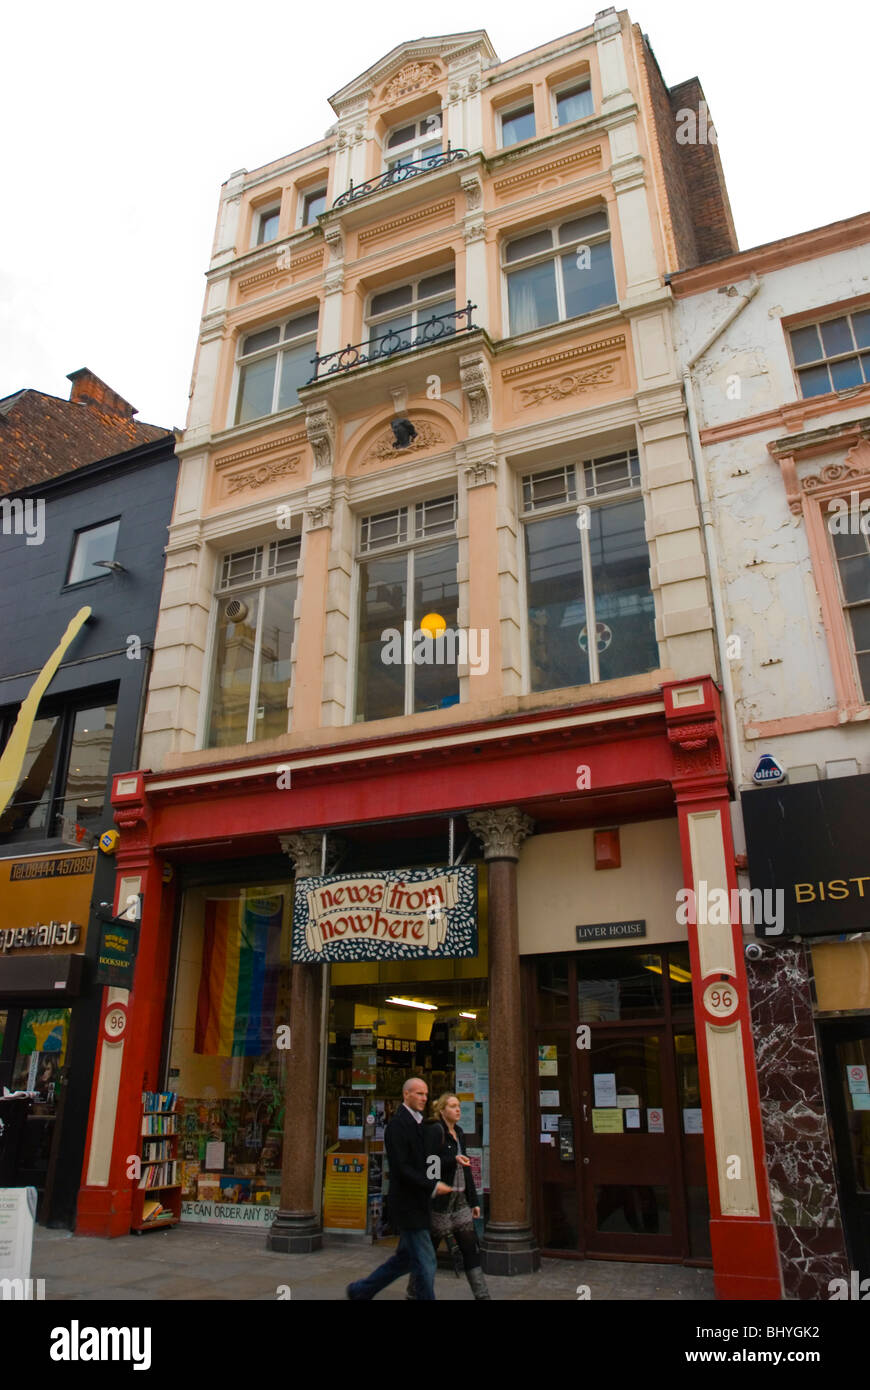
{"x": 410, "y": 914}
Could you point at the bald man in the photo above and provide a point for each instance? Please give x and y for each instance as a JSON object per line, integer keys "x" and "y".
{"x": 411, "y": 1191}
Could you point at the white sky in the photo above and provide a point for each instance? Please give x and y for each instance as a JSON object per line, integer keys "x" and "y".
{"x": 121, "y": 120}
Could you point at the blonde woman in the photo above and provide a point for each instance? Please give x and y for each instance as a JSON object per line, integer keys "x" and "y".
{"x": 454, "y": 1214}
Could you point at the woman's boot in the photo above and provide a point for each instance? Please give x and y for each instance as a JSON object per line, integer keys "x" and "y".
{"x": 477, "y": 1281}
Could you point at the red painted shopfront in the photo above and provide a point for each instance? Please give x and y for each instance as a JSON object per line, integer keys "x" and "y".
{"x": 644, "y": 759}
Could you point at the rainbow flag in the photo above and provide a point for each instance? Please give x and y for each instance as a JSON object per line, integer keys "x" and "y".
{"x": 238, "y": 983}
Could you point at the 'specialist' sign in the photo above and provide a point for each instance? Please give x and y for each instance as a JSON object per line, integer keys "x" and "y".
{"x": 412, "y": 914}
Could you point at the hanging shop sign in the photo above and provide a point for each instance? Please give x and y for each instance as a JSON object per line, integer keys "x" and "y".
{"x": 398, "y": 915}
{"x": 116, "y": 958}
{"x": 809, "y": 858}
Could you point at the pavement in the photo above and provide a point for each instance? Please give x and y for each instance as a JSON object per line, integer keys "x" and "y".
{"x": 190, "y": 1262}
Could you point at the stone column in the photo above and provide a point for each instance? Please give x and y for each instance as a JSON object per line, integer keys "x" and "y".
{"x": 508, "y": 1243}
{"x": 296, "y": 1229}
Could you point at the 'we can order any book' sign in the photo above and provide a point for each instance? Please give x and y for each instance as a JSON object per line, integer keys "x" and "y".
{"x": 399, "y": 915}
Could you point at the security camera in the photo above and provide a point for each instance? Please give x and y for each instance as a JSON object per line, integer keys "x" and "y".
{"x": 753, "y": 950}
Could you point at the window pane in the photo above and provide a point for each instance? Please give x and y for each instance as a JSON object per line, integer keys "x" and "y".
{"x": 93, "y": 731}
{"x": 268, "y": 228}
{"x": 557, "y": 610}
{"x": 232, "y": 671}
{"x": 611, "y": 473}
{"x": 528, "y": 245}
{"x": 97, "y": 543}
{"x": 436, "y": 681}
{"x": 443, "y": 314}
{"x": 836, "y": 336}
{"x": 392, "y": 336}
{"x": 315, "y": 204}
{"x": 270, "y": 718}
{"x": 401, "y": 136}
{"x": 241, "y": 567}
{"x": 861, "y": 627}
{"x": 256, "y": 388}
{"x": 545, "y": 489}
{"x": 296, "y": 368}
{"x": 680, "y": 973}
{"x": 614, "y": 985}
{"x": 390, "y": 299}
{"x": 571, "y": 105}
{"x": 435, "y": 517}
{"x": 864, "y": 674}
{"x": 814, "y": 381}
{"x": 386, "y": 528}
{"x": 805, "y": 345}
{"x": 582, "y": 227}
{"x": 846, "y": 373}
{"x": 861, "y": 327}
{"x": 624, "y": 607}
{"x": 27, "y": 808}
{"x": 552, "y": 1003}
{"x": 436, "y": 284}
{"x": 855, "y": 578}
{"x": 380, "y": 675}
{"x": 589, "y": 281}
{"x": 532, "y": 297}
{"x": 302, "y": 324}
{"x": 519, "y": 125}
{"x": 256, "y": 341}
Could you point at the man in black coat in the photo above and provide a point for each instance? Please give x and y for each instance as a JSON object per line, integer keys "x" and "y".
{"x": 411, "y": 1190}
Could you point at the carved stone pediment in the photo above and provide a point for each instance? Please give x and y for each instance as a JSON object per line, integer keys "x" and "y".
{"x": 411, "y": 78}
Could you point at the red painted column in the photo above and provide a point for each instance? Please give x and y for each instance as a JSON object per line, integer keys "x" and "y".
{"x": 743, "y": 1238}
{"x": 126, "y": 1068}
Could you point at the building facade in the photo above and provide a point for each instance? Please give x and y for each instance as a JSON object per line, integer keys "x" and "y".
{"x": 436, "y": 392}
{"x": 93, "y": 489}
{"x": 775, "y": 344}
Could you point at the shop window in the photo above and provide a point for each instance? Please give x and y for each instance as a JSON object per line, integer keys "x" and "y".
{"x": 232, "y": 993}
{"x": 832, "y": 355}
{"x": 251, "y": 660}
{"x": 62, "y": 785}
{"x": 272, "y": 364}
{"x": 852, "y": 552}
{"x": 94, "y": 544}
{"x": 407, "y": 570}
{"x": 559, "y": 272}
{"x": 587, "y": 572}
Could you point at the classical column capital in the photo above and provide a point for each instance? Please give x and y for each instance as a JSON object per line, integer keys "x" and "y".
{"x": 501, "y": 830}
{"x": 304, "y": 851}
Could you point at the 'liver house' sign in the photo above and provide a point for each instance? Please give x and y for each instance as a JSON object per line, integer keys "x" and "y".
{"x": 398, "y": 915}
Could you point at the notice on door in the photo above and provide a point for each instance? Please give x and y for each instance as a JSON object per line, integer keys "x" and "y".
{"x": 605, "y": 1088}
{"x": 607, "y": 1121}
{"x": 655, "y": 1121}
{"x": 857, "y": 1079}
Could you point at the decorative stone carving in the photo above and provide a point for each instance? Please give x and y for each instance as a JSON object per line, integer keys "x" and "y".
{"x": 413, "y": 77}
{"x": 855, "y": 468}
{"x": 320, "y": 428}
{"x": 318, "y": 514}
{"x": 479, "y": 474}
{"x": 696, "y": 749}
{"x": 333, "y": 238}
{"x": 571, "y": 384}
{"x": 428, "y": 435}
{"x": 333, "y": 281}
{"x": 477, "y": 384}
{"x": 263, "y": 473}
{"x": 473, "y": 190}
{"x": 283, "y": 441}
{"x": 501, "y": 831}
{"x": 305, "y": 853}
{"x": 474, "y": 231}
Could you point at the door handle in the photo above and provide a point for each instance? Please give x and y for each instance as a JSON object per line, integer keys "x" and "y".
{"x": 585, "y": 1113}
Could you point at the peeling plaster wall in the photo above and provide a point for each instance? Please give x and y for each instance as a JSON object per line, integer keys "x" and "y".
{"x": 769, "y": 593}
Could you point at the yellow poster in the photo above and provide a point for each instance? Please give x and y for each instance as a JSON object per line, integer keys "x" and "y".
{"x": 345, "y": 1191}
{"x": 607, "y": 1121}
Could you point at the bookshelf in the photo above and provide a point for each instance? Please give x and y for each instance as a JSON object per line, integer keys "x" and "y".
{"x": 157, "y": 1194}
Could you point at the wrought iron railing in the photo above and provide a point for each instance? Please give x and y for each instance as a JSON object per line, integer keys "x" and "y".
{"x": 428, "y": 331}
{"x": 398, "y": 175}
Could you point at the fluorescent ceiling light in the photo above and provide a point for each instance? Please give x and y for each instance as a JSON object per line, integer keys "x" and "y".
{"x": 462, "y": 1014}
{"x": 413, "y": 1004}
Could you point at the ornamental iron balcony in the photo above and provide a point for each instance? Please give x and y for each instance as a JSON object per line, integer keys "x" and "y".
{"x": 423, "y": 334}
{"x": 399, "y": 175}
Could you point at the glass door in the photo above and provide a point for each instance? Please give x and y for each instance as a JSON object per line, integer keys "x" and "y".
{"x": 846, "y": 1053}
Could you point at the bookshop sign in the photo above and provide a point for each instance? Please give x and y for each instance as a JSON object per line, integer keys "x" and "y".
{"x": 415, "y": 914}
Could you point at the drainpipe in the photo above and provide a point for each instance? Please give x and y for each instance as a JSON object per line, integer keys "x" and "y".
{"x": 710, "y": 546}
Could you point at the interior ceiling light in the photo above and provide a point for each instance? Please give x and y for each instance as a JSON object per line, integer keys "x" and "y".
{"x": 413, "y": 1004}
{"x": 676, "y": 972}
{"x": 462, "y": 1014}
